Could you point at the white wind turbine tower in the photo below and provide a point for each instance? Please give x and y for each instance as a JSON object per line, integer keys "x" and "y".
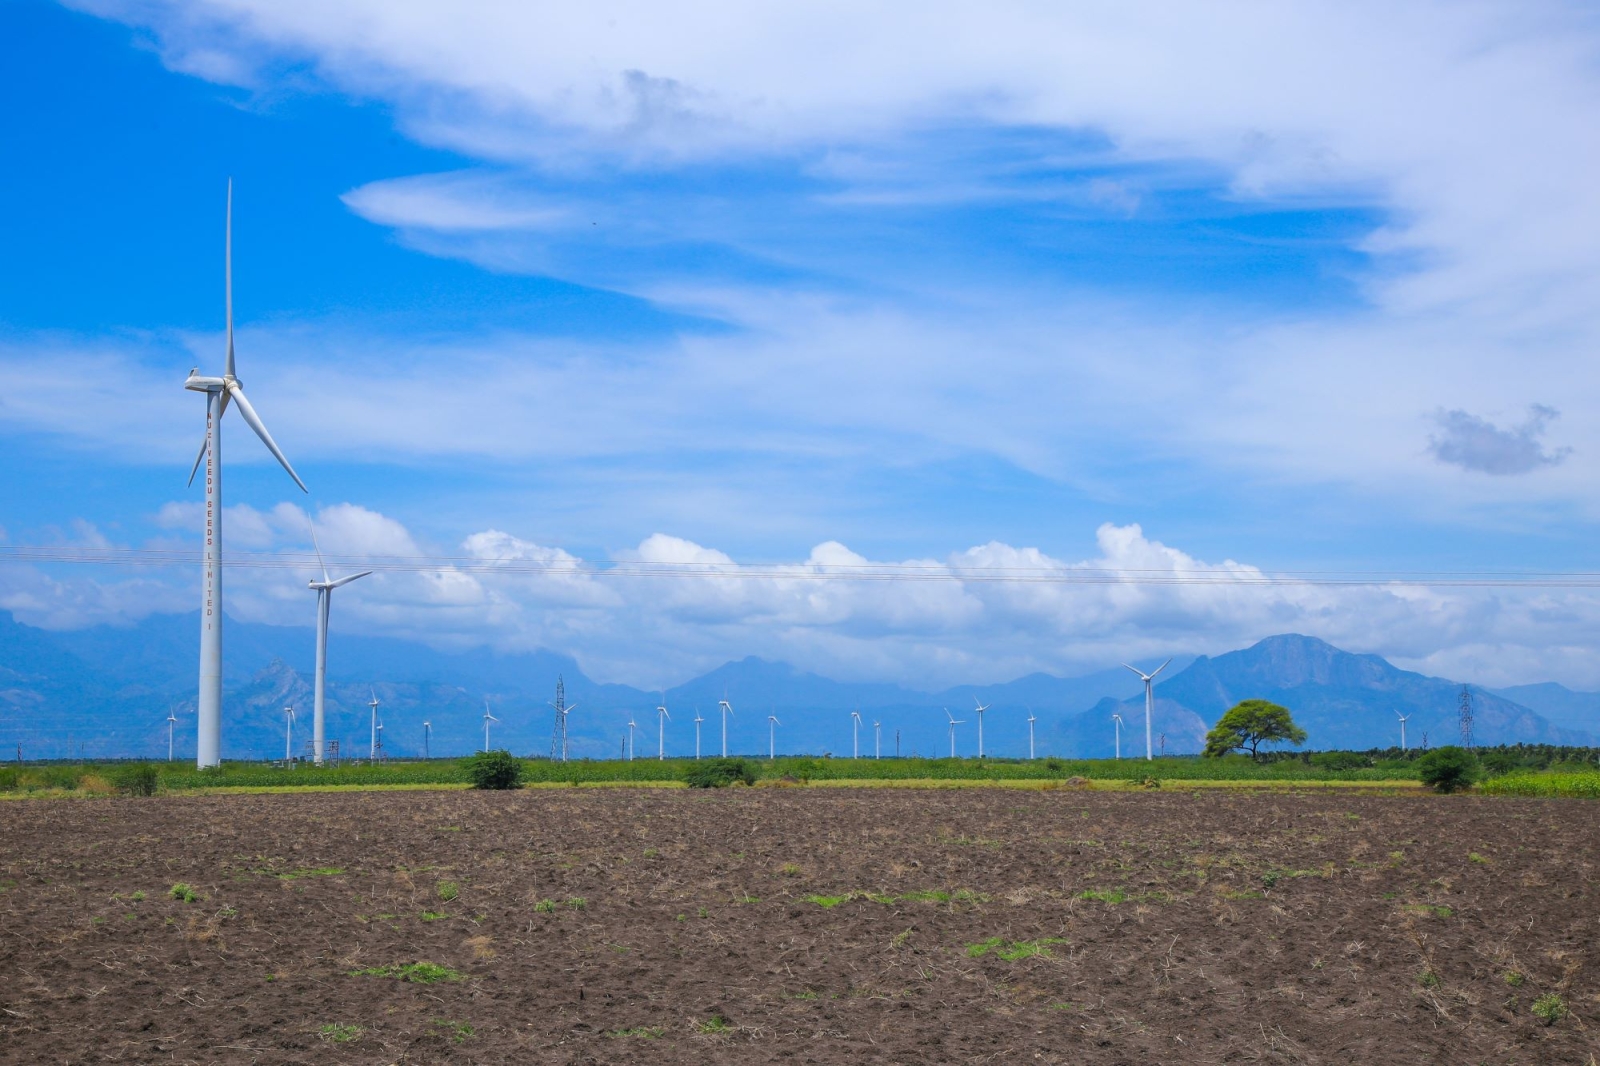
{"x": 954, "y": 721}
{"x": 1116, "y": 723}
{"x": 727, "y": 709}
{"x": 219, "y": 392}
{"x": 631, "y": 727}
{"x": 855, "y": 733}
{"x": 427, "y": 733}
{"x": 1149, "y": 704}
{"x": 324, "y": 590}
{"x": 662, "y": 718}
{"x": 877, "y": 739}
{"x": 772, "y": 736}
{"x": 697, "y": 721}
{"x": 288, "y": 737}
{"x": 981, "y": 708}
{"x": 487, "y": 718}
{"x": 1031, "y": 720}
{"x": 372, "y": 754}
{"x": 1404, "y": 718}
{"x": 172, "y": 720}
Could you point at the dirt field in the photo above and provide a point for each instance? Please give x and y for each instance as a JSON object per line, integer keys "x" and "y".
{"x": 620, "y": 925}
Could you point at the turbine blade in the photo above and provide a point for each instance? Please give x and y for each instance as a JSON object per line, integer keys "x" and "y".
{"x": 227, "y": 274}
{"x": 251, "y": 417}
{"x": 1125, "y": 666}
{"x": 346, "y": 580}
{"x": 198, "y": 459}
{"x": 1160, "y": 668}
{"x": 317, "y": 547}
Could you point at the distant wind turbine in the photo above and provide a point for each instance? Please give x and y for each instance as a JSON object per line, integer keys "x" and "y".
{"x": 632, "y": 725}
{"x": 288, "y": 737}
{"x": 172, "y": 720}
{"x": 1031, "y": 720}
{"x": 727, "y": 709}
{"x": 1116, "y": 723}
{"x": 219, "y": 391}
{"x": 324, "y": 590}
{"x": 855, "y": 734}
{"x": 372, "y": 755}
{"x": 1404, "y": 718}
{"x": 697, "y": 721}
{"x": 877, "y": 739}
{"x": 487, "y": 718}
{"x": 1149, "y": 704}
{"x": 772, "y": 736}
{"x": 662, "y": 718}
{"x": 954, "y": 721}
{"x": 981, "y": 708}
{"x": 427, "y": 731}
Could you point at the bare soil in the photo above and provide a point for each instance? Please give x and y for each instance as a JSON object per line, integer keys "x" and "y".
{"x": 624, "y": 925}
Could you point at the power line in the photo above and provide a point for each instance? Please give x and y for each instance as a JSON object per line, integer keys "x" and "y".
{"x": 930, "y": 571}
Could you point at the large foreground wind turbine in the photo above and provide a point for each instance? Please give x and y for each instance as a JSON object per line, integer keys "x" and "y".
{"x": 324, "y": 590}
{"x": 1149, "y": 704}
{"x": 219, "y": 391}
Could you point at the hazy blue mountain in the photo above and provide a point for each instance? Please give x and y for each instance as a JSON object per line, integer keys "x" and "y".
{"x": 1343, "y": 700}
{"x": 1564, "y": 707}
{"x": 109, "y": 690}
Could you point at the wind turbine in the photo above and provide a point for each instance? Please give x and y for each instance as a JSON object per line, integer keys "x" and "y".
{"x": 172, "y": 720}
{"x": 487, "y": 718}
{"x": 855, "y": 733}
{"x": 324, "y": 590}
{"x": 981, "y": 708}
{"x": 697, "y": 721}
{"x": 563, "y": 708}
{"x": 219, "y": 391}
{"x": 727, "y": 709}
{"x": 877, "y": 739}
{"x": 662, "y": 718}
{"x": 1031, "y": 720}
{"x": 372, "y": 756}
{"x": 954, "y": 721}
{"x": 1149, "y": 704}
{"x": 380, "y": 756}
{"x": 1116, "y": 721}
{"x": 288, "y": 738}
{"x": 772, "y": 736}
{"x": 1404, "y": 718}
{"x": 631, "y": 727}
{"x": 427, "y": 731}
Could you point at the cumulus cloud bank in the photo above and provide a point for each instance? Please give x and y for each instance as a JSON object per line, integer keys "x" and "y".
{"x": 1474, "y": 443}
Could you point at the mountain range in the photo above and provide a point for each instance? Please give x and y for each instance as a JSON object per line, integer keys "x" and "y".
{"x": 106, "y": 692}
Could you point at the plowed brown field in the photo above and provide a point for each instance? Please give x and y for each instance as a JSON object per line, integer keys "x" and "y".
{"x": 631, "y": 925}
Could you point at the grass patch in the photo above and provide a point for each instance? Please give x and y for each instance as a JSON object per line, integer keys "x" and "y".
{"x": 183, "y": 892}
{"x": 458, "y": 1032}
{"x": 1104, "y": 895}
{"x": 1013, "y": 950}
{"x": 418, "y": 973}
{"x": 714, "y": 1024}
{"x": 545, "y": 906}
{"x": 448, "y": 891}
{"x": 434, "y": 916}
{"x": 334, "y": 1033}
{"x": 828, "y": 902}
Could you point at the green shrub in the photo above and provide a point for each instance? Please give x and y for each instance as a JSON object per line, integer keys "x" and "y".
{"x": 1448, "y": 769}
{"x": 140, "y": 779}
{"x": 1551, "y": 1008}
{"x": 181, "y": 891}
{"x": 717, "y": 773}
{"x": 1340, "y": 760}
{"x": 497, "y": 770}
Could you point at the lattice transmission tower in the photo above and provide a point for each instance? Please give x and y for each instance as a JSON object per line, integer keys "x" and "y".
{"x": 1466, "y": 717}
{"x": 558, "y": 739}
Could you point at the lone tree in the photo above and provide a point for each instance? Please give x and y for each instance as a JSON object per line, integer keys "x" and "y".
{"x": 1251, "y": 724}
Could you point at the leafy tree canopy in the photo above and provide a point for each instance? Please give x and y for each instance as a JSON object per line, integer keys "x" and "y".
{"x": 1251, "y": 724}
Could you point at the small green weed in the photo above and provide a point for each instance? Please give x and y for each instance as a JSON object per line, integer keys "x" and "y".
{"x": 967, "y": 895}
{"x": 137, "y": 896}
{"x": 577, "y": 903}
{"x": 1013, "y": 950}
{"x": 1550, "y": 1007}
{"x": 434, "y": 916}
{"x": 1513, "y": 978}
{"x": 747, "y": 898}
{"x": 1428, "y": 979}
{"x": 827, "y": 902}
{"x": 334, "y": 1033}
{"x": 459, "y": 1032}
{"x": 419, "y": 973}
{"x": 181, "y": 891}
{"x": 545, "y": 906}
{"x": 1473, "y": 856}
{"x": 651, "y": 853}
{"x": 714, "y": 1024}
{"x": 448, "y": 890}
{"x": 320, "y": 871}
{"x": 790, "y": 869}
{"x": 1104, "y": 895}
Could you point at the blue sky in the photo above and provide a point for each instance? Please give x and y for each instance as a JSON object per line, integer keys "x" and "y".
{"x": 1287, "y": 290}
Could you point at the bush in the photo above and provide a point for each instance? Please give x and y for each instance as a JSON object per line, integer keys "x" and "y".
{"x": 140, "y": 779}
{"x": 717, "y": 773}
{"x": 498, "y": 770}
{"x": 1340, "y": 760}
{"x": 1448, "y": 769}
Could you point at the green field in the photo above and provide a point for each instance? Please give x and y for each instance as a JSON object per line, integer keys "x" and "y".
{"x": 1516, "y": 771}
